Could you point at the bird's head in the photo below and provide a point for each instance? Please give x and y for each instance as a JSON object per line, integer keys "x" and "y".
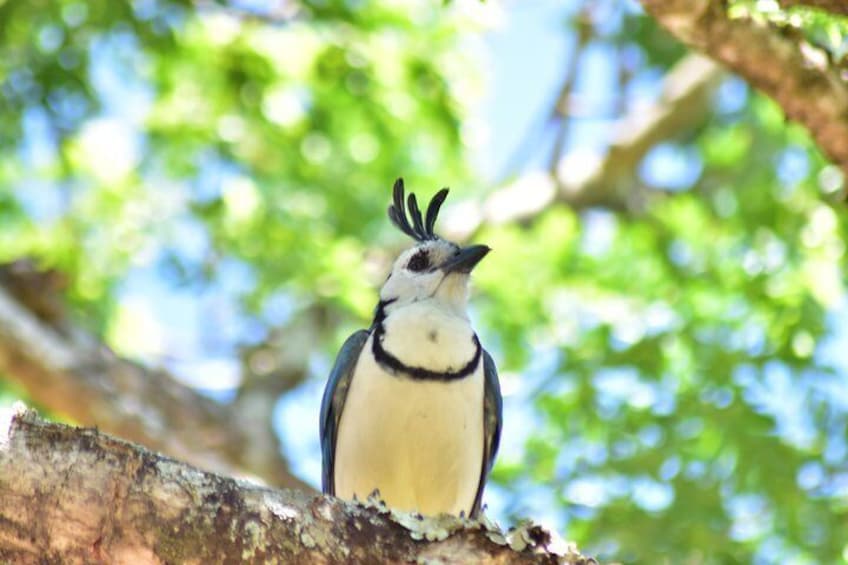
{"x": 434, "y": 268}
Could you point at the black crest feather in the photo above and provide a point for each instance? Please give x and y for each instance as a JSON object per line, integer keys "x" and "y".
{"x": 419, "y": 229}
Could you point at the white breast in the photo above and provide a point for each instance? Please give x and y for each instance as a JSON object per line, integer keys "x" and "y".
{"x": 425, "y": 335}
{"x": 419, "y": 442}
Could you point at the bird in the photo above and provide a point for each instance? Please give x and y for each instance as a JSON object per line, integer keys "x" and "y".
{"x": 412, "y": 408}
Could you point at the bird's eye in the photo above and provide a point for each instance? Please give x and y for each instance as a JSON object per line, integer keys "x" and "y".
{"x": 419, "y": 261}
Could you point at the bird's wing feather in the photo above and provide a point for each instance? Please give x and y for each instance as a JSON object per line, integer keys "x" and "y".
{"x": 333, "y": 401}
{"x": 492, "y": 422}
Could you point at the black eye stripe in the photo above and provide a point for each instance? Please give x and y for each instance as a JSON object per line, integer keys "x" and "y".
{"x": 419, "y": 261}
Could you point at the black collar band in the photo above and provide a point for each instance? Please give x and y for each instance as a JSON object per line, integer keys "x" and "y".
{"x": 395, "y": 365}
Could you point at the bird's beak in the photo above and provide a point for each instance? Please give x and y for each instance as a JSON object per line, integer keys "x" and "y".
{"x": 466, "y": 259}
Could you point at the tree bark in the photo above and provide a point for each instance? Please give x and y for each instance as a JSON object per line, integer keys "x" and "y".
{"x": 71, "y": 495}
{"x": 777, "y": 61}
{"x": 73, "y": 374}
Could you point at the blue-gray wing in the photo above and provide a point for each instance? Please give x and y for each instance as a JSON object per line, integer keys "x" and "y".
{"x": 332, "y": 404}
{"x": 492, "y": 422}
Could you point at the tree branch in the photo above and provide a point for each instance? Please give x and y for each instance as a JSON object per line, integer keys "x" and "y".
{"x": 797, "y": 75}
{"x": 832, "y": 6}
{"x": 685, "y": 100}
{"x": 560, "y": 111}
{"x": 76, "y": 495}
{"x": 73, "y": 374}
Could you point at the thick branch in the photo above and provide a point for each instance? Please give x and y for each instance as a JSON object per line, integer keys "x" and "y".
{"x": 73, "y": 374}
{"x": 76, "y": 495}
{"x": 798, "y": 76}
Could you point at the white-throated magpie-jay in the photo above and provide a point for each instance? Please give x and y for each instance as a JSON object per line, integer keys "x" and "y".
{"x": 412, "y": 407}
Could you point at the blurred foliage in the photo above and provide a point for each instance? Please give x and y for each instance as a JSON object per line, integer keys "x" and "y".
{"x": 670, "y": 370}
{"x": 817, "y": 27}
{"x": 159, "y": 131}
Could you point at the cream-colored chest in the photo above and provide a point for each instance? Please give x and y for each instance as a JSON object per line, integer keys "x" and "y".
{"x": 420, "y": 442}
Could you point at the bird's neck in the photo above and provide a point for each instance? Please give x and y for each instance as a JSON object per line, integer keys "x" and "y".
{"x": 424, "y": 341}
{"x": 380, "y": 311}
{"x": 389, "y": 306}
